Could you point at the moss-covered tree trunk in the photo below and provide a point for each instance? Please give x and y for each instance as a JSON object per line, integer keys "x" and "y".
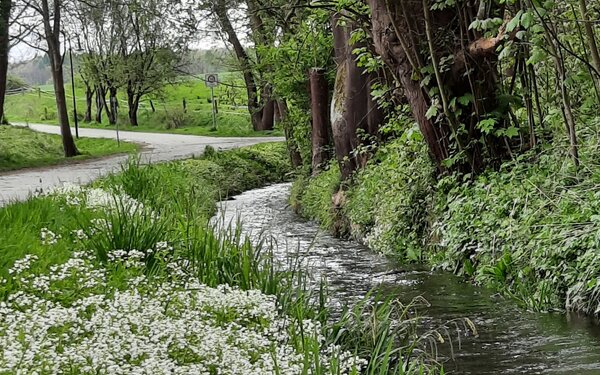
{"x": 351, "y": 102}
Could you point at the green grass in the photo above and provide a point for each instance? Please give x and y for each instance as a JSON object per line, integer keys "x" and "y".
{"x": 24, "y": 148}
{"x": 232, "y": 120}
{"x": 192, "y": 186}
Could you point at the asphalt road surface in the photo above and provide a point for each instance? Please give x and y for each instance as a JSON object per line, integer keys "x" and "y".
{"x": 158, "y": 147}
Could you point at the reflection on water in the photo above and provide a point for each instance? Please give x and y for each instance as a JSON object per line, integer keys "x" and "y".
{"x": 510, "y": 341}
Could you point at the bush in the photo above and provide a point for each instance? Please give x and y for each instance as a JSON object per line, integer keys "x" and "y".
{"x": 388, "y": 203}
{"x": 15, "y": 83}
{"x": 529, "y": 229}
{"x": 314, "y": 196}
{"x": 198, "y": 183}
{"x": 177, "y": 119}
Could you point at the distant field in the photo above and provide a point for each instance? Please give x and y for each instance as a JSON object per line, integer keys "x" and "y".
{"x": 25, "y": 148}
{"x": 38, "y": 106}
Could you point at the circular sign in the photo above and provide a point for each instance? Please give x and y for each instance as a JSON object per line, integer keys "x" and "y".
{"x": 212, "y": 80}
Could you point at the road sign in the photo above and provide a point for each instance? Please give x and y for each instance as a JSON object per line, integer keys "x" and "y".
{"x": 211, "y": 80}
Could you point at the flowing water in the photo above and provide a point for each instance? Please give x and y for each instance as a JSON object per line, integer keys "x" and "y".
{"x": 510, "y": 340}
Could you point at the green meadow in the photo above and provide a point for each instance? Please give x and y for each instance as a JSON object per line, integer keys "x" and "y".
{"x": 169, "y": 115}
{"x": 21, "y": 147}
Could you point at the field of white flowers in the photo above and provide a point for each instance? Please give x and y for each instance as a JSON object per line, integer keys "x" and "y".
{"x": 75, "y": 319}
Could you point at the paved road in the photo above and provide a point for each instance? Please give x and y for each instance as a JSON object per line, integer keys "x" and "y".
{"x": 18, "y": 185}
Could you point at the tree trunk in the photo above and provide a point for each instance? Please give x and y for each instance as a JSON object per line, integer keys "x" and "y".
{"x": 5, "y": 7}
{"x": 89, "y": 98}
{"x": 350, "y": 101}
{"x": 53, "y": 41}
{"x": 100, "y": 95}
{"x": 244, "y": 61}
{"x": 133, "y": 103}
{"x": 407, "y": 33}
{"x": 589, "y": 30}
{"x": 278, "y": 116}
{"x": 319, "y": 94}
{"x": 268, "y": 115}
{"x": 113, "y": 106}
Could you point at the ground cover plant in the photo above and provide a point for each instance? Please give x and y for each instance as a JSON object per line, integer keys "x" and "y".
{"x": 528, "y": 229}
{"x": 21, "y": 147}
{"x": 127, "y": 275}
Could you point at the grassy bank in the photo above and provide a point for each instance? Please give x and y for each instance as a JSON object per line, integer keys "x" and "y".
{"x": 39, "y": 106}
{"x": 529, "y": 230}
{"x": 25, "y": 148}
{"x": 128, "y": 276}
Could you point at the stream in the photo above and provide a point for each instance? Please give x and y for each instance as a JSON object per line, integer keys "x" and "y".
{"x": 510, "y": 341}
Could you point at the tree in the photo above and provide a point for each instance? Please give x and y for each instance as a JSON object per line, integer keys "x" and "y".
{"x": 44, "y": 20}
{"x": 321, "y": 126}
{"x": 150, "y": 55}
{"x": 220, "y": 10}
{"x": 591, "y": 36}
{"x": 5, "y": 11}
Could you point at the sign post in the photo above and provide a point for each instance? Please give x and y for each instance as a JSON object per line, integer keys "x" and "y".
{"x": 212, "y": 81}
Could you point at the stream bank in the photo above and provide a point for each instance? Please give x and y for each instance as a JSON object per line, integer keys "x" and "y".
{"x": 530, "y": 230}
{"x": 510, "y": 341}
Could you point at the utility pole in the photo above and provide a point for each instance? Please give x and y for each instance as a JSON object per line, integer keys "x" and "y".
{"x": 73, "y": 87}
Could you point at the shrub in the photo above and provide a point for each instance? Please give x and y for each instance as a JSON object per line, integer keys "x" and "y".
{"x": 314, "y": 196}
{"x": 389, "y": 201}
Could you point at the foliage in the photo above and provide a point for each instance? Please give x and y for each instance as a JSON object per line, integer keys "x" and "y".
{"x": 529, "y": 229}
{"x": 312, "y": 197}
{"x": 389, "y": 201}
{"x": 15, "y": 83}
{"x": 309, "y": 46}
{"x": 196, "y": 184}
{"x": 231, "y": 121}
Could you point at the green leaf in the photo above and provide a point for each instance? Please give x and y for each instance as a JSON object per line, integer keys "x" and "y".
{"x": 466, "y": 99}
{"x": 527, "y": 20}
{"x": 487, "y": 126}
{"x": 432, "y": 112}
{"x": 514, "y": 23}
{"x": 511, "y": 132}
{"x": 537, "y": 55}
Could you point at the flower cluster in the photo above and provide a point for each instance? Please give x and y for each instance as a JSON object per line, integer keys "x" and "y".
{"x": 98, "y": 199}
{"x": 171, "y": 327}
{"x": 174, "y": 328}
{"x": 48, "y": 237}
